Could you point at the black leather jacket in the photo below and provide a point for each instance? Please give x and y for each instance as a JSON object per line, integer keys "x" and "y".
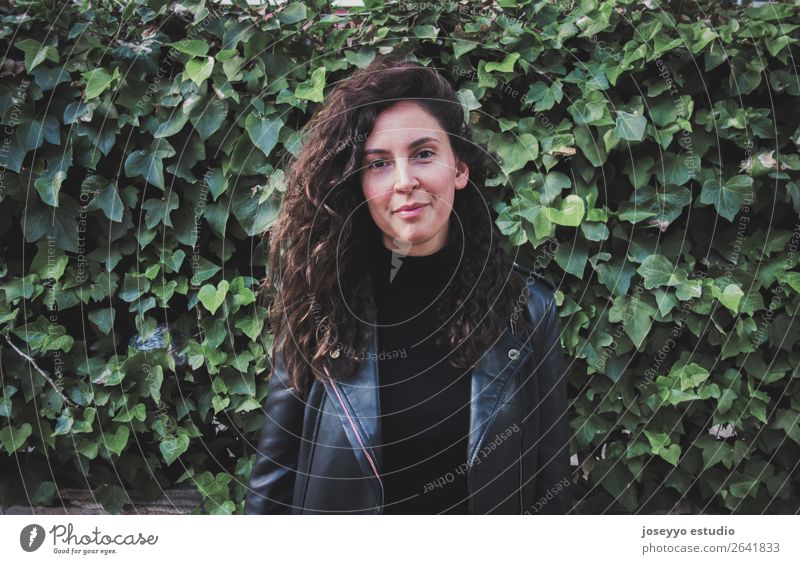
{"x": 322, "y": 455}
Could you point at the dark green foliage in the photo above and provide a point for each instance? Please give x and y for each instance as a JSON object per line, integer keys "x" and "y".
{"x": 647, "y": 162}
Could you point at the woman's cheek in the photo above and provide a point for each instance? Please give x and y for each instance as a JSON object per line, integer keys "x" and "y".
{"x": 374, "y": 200}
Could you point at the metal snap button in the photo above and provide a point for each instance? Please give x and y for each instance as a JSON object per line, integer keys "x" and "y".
{"x": 513, "y": 354}
{"x": 334, "y": 353}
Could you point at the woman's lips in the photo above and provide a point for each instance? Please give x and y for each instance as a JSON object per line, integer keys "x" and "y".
{"x": 415, "y": 212}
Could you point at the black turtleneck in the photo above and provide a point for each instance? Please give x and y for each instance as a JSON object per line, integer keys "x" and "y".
{"x": 425, "y": 402}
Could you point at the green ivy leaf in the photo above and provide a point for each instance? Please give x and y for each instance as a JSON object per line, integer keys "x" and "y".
{"x": 35, "y": 53}
{"x": 543, "y": 96}
{"x": 199, "y": 69}
{"x": 554, "y": 183}
{"x": 203, "y": 270}
{"x": 208, "y": 118}
{"x": 792, "y": 279}
{"x": 658, "y": 271}
{"x": 63, "y": 425}
{"x": 312, "y": 88}
{"x": 158, "y": 210}
{"x": 212, "y": 297}
{"x": 254, "y": 215}
{"x": 665, "y": 204}
{"x": 13, "y": 438}
{"x": 630, "y": 126}
{"x": 172, "y": 125}
{"x": 112, "y": 497}
{"x": 43, "y": 335}
{"x": 636, "y": 315}
{"x": 426, "y": 31}
{"x": 34, "y": 132}
{"x": 510, "y": 225}
{"x": 49, "y": 187}
{"x": 671, "y": 454}
{"x": 462, "y": 47}
{"x": 246, "y": 404}
{"x": 107, "y": 199}
{"x": 730, "y": 297}
{"x": 658, "y": 445}
{"x": 677, "y": 170}
{"x": 572, "y": 258}
{"x": 591, "y": 147}
{"x": 250, "y": 326}
{"x": 149, "y": 164}
{"x": 507, "y": 65}
{"x": 116, "y": 443}
{"x": 263, "y": 132}
{"x": 88, "y": 448}
{"x": 570, "y": 214}
{"x": 788, "y": 421}
{"x": 514, "y": 152}
{"x": 590, "y": 112}
{"x": 193, "y": 47}
{"x": 98, "y": 81}
{"x": 744, "y": 485}
{"x": 691, "y": 375}
{"x": 714, "y": 451}
{"x": 85, "y": 426}
{"x": 729, "y": 197}
{"x": 293, "y": 13}
{"x": 172, "y": 447}
{"x": 219, "y": 403}
{"x": 138, "y": 412}
{"x": 57, "y": 223}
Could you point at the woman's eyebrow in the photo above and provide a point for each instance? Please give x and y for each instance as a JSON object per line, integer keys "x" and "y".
{"x": 420, "y": 141}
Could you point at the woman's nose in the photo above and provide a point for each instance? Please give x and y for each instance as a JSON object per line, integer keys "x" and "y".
{"x": 404, "y": 178}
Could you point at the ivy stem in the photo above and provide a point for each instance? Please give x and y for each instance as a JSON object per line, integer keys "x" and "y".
{"x": 42, "y": 372}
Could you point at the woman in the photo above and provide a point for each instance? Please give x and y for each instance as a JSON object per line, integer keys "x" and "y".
{"x": 417, "y": 368}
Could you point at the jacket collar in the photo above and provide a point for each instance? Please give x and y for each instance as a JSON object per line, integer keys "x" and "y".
{"x": 358, "y": 406}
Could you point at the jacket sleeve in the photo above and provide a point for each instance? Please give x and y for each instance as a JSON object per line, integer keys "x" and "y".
{"x": 271, "y": 485}
{"x": 553, "y": 479}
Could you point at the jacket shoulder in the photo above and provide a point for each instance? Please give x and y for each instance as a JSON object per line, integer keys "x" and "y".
{"x": 541, "y": 292}
{"x": 531, "y": 275}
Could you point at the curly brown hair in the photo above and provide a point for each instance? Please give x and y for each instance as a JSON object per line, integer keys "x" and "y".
{"x": 318, "y": 284}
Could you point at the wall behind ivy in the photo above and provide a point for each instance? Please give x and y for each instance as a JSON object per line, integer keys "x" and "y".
{"x": 647, "y": 163}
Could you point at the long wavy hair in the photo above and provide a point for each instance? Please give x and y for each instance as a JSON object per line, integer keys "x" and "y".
{"x": 318, "y": 285}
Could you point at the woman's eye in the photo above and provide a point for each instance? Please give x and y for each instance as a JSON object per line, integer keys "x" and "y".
{"x": 423, "y": 154}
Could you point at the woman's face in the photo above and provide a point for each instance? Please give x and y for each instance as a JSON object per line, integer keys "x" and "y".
{"x": 409, "y": 163}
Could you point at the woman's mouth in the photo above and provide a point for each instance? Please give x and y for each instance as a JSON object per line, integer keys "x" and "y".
{"x": 413, "y": 212}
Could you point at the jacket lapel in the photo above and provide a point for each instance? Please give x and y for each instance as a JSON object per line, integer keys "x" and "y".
{"x": 356, "y": 402}
{"x": 490, "y": 380}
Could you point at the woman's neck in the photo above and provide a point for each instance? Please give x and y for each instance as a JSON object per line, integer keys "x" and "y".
{"x": 397, "y": 271}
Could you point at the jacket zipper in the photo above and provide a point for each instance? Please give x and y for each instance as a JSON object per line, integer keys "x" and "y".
{"x": 355, "y": 430}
